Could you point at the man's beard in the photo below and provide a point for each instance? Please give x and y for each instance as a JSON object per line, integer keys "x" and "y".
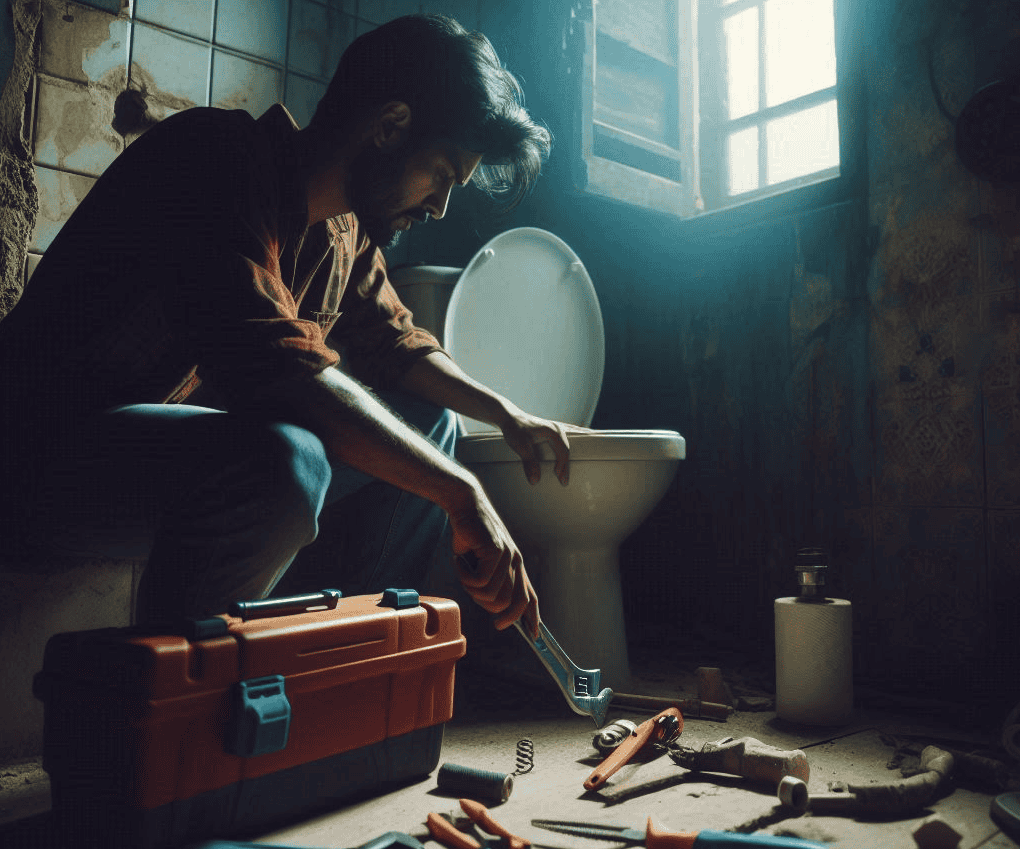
{"x": 375, "y": 177}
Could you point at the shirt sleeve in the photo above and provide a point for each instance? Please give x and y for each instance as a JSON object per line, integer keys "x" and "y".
{"x": 377, "y": 332}
{"x": 228, "y": 300}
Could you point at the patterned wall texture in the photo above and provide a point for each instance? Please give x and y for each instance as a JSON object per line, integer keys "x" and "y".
{"x": 845, "y": 376}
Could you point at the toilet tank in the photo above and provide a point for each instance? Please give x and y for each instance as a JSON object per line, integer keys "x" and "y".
{"x": 425, "y": 290}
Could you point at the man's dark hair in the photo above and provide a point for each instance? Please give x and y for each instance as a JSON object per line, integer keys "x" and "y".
{"x": 457, "y": 90}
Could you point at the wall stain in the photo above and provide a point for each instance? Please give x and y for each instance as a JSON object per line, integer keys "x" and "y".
{"x": 88, "y": 49}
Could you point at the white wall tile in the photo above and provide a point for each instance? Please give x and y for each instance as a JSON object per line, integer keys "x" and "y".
{"x": 240, "y": 84}
{"x": 191, "y": 17}
{"x": 258, "y": 27}
{"x": 465, "y": 12}
{"x": 381, "y": 11}
{"x": 91, "y": 47}
{"x": 318, "y": 37}
{"x": 303, "y": 96}
{"x": 111, "y": 6}
{"x": 169, "y": 68}
{"x": 73, "y": 127}
{"x": 60, "y": 192}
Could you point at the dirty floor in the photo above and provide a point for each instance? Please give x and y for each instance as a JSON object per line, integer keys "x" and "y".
{"x": 493, "y": 714}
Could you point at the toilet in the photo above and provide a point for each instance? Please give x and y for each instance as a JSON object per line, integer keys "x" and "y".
{"x": 523, "y": 319}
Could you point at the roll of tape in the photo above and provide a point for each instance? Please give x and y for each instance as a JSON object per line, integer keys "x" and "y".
{"x": 814, "y": 661}
{"x": 476, "y": 784}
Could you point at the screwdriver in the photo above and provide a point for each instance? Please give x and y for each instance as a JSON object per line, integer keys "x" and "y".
{"x": 656, "y": 838}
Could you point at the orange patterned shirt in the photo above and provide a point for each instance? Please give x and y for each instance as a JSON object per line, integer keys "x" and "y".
{"x": 189, "y": 260}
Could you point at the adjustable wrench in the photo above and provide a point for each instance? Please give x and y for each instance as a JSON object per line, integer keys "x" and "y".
{"x": 579, "y": 686}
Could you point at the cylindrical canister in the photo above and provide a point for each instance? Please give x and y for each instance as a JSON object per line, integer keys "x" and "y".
{"x": 814, "y": 660}
{"x": 477, "y": 784}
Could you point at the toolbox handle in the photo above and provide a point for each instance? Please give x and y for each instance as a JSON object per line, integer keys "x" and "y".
{"x": 264, "y": 608}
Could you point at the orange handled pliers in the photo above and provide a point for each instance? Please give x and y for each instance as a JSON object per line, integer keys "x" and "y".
{"x": 661, "y": 728}
{"x": 450, "y": 836}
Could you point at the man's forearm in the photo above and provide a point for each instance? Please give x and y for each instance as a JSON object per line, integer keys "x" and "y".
{"x": 359, "y": 431}
{"x": 440, "y": 380}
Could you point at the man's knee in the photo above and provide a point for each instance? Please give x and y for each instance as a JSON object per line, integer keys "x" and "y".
{"x": 296, "y": 468}
{"x": 437, "y": 423}
{"x": 446, "y": 431}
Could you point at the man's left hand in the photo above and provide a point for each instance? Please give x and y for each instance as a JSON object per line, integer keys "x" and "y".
{"x": 524, "y": 432}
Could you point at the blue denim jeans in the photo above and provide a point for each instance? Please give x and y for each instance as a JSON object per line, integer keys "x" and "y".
{"x": 220, "y": 504}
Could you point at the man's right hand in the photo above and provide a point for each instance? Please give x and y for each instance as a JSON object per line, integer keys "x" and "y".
{"x": 361, "y": 432}
{"x": 490, "y": 565}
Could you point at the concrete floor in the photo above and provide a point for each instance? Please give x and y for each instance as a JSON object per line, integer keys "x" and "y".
{"x": 492, "y": 715}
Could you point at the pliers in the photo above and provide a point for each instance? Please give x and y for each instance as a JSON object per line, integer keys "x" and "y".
{"x": 450, "y": 836}
{"x": 663, "y": 728}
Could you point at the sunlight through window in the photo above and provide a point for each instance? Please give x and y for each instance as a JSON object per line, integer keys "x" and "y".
{"x": 802, "y": 143}
{"x": 695, "y": 106}
{"x": 800, "y": 49}
{"x": 740, "y": 32}
{"x": 780, "y": 65}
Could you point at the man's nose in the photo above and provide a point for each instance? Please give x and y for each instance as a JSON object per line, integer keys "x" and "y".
{"x": 436, "y": 203}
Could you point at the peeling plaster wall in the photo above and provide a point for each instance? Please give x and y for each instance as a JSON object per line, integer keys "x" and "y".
{"x": 19, "y": 200}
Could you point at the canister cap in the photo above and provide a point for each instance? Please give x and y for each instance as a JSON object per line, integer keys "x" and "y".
{"x": 811, "y": 567}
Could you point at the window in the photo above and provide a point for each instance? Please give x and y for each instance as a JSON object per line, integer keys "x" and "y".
{"x": 691, "y": 106}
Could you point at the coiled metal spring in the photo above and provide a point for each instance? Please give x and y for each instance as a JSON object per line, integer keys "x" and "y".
{"x": 525, "y": 757}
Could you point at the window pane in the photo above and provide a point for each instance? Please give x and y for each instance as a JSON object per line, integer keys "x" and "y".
{"x": 740, "y": 33}
{"x": 800, "y": 48}
{"x": 742, "y": 160}
{"x": 802, "y": 143}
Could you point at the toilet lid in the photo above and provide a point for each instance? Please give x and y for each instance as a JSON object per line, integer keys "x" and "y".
{"x": 524, "y": 320}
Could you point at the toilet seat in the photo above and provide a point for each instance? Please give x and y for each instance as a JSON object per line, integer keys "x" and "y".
{"x": 524, "y": 320}
{"x": 600, "y": 445}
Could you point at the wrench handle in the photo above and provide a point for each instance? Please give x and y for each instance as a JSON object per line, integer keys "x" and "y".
{"x": 580, "y": 687}
{"x": 628, "y": 748}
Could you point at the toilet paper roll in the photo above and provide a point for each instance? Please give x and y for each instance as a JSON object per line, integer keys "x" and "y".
{"x": 814, "y": 661}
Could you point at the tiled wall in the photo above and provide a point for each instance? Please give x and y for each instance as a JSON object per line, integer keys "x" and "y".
{"x": 234, "y": 54}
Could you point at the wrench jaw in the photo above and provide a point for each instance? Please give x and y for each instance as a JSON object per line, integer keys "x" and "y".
{"x": 595, "y": 706}
{"x": 579, "y": 686}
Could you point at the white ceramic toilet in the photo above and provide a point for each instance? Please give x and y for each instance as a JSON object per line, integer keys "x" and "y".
{"x": 523, "y": 319}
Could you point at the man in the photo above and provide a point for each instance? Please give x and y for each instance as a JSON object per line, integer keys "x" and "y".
{"x": 211, "y": 261}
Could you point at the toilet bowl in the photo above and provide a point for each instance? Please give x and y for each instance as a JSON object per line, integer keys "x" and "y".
{"x": 523, "y": 318}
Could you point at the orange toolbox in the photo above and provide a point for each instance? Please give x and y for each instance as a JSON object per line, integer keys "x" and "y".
{"x": 228, "y": 725}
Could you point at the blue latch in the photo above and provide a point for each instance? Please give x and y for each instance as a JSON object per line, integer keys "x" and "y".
{"x": 399, "y": 599}
{"x": 259, "y": 717}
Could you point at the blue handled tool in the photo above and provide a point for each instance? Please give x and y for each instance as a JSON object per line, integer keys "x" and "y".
{"x": 389, "y": 840}
{"x": 655, "y": 838}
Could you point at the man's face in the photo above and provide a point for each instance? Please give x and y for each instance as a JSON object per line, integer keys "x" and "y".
{"x": 390, "y": 191}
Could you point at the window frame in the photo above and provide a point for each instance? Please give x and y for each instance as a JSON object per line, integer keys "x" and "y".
{"x": 699, "y": 199}
{"x": 617, "y": 181}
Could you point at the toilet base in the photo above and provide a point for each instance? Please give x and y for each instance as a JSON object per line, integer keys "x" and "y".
{"x": 580, "y": 600}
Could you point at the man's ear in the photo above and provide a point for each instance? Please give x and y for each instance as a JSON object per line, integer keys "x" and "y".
{"x": 391, "y": 126}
